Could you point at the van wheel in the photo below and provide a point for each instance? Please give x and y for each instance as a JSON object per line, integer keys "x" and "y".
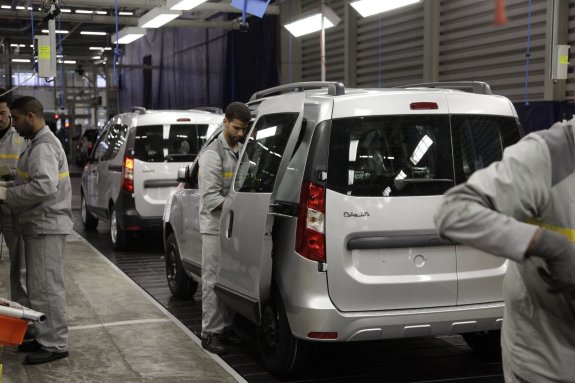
{"x": 280, "y": 352}
{"x": 484, "y": 342}
{"x": 180, "y": 284}
{"x": 88, "y": 220}
{"x": 118, "y": 236}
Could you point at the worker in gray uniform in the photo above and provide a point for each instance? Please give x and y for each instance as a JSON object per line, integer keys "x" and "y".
{"x": 41, "y": 199}
{"x": 217, "y": 164}
{"x": 11, "y": 146}
{"x": 523, "y": 208}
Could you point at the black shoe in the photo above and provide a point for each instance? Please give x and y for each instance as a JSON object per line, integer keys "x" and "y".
{"x": 229, "y": 337}
{"x": 214, "y": 344}
{"x": 30, "y": 346}
{"x": 44, "y": 356}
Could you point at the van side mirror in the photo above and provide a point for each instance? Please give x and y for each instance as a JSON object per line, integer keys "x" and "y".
{"x": 182, "y": 174}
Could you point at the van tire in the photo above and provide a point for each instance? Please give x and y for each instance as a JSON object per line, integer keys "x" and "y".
{"x": 88, "y": 220}
{"x": 180, "y": 284}
{"x": 118, "y": 236}
{"x": 484, "y": 342}
{"x": 280, "y": 352}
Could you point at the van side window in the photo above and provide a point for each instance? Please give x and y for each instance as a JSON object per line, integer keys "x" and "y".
{"x": 265, "y": 147}
{"x": 113, "y": 141}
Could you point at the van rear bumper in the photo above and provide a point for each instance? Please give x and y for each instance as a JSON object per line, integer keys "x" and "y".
{"x": 129, "y": 219}
{"x": 309, "y": 309}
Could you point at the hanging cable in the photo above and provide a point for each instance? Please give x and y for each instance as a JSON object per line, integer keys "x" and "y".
{"x": 61, "y": 52}
{"x": 379, "y": 82}
{"x": 116, "y": 50}
{"x": 528, "y": 53}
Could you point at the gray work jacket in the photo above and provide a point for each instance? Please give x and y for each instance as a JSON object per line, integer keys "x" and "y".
{"x": 11, "y": 146}
{"x": 217, "y": 164}
{"x": 497, "y": 211}
{"x": 41, "y": 198}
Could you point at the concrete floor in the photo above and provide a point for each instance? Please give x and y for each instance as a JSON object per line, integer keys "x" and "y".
{"x": 118, "y": 333}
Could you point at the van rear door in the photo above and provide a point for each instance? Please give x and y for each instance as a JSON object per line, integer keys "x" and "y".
{"x": 385, "y": 178}
{"x": 159, "y": 150}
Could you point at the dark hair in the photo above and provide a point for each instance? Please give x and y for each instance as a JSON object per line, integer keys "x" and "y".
{"x": 238, "y": 110}
{"x": 5, "y": 98}
{"x": 28, "y": 104}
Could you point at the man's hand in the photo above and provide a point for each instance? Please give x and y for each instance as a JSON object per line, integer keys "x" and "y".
{"x": 559, "y": 255}
{"x": 2, "y": 193}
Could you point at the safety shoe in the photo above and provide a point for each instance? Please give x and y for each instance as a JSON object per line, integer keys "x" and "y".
{"x": 214, "y": 344}
{"x": 30, "y": 346}
{"x": 44, "y": 356}
{"x": 229, "y": 337}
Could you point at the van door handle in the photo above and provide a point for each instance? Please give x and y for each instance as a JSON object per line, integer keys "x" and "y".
{"x": 230, "y": 225}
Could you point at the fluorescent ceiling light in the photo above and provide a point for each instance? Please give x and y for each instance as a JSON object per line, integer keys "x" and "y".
{"x": 100, "y": 49}
{"x": 61, "y": 31}
{"x": 312, "y": 22}
{"x": 65, "y": 10}
{"x": 67, "y": 62}
{"x": 420, "y": 150}
{"x": 93, "y": 33}
{"x": 85, "y": 11}
{"x": 157, "y": 17}
{"x": 20, "y": 60}
{"x": 19, "y": 7}
{"x": 101, "y": 12}
{"x": 125, "y": 13}
{"x": 6, "y": 7}
{"x": 372, "y": 7}
{"x": 18, "y": 45}
{"x": 96, "y": 57}
{"x": 184, "y": 5}
{"x": 128, "y": 35}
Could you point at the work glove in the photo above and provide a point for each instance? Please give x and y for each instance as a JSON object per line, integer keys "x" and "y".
{"x": 7, "y": 184}
{"x": 2, "y": 193}
{"x": 4, "y": 171}
{"x": 559, "y": 256}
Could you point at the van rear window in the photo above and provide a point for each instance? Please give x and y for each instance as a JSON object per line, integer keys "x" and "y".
{"x": 413, "y": 155}
{"x": 172, "y": 143}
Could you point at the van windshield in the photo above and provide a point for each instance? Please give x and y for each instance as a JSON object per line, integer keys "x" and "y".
{"x": 413, "y": 155}
{"x": 172, "y": 143}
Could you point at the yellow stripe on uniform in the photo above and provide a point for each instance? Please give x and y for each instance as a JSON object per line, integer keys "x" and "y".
{"x": 228, "y": 175}
{"x": 569, "y": 233}
{"x": 26, "y": 175}
{"x": 10, "y": 156}
{"x": 22, "y": 174}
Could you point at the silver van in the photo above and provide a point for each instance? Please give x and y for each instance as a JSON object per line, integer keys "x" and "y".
{"x": 133, "y": 167}
{"x": 330, "y": 236}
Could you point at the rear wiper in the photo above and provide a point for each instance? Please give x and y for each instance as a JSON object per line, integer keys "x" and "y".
{"x": 400, "y": 184}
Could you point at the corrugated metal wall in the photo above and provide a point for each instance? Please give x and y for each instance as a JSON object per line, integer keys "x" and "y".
{"x": 473, "y": 48}
{"x": 571, "y": 40}
{"x": 390, "y": 48}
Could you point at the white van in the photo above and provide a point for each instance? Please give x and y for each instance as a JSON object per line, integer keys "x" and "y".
{"x": 133, "y": 167}
{"x": 330, "y": 237}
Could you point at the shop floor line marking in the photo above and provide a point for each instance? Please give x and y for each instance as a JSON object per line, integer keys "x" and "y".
{"x": 120, "y": 323}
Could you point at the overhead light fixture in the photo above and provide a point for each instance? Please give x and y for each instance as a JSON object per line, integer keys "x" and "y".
{"x": 311, "y": 22}
{"x": 184, "y": 5}
{"x": 20, "y": 8}
{"x": 125, "y": 13}
{"x": 20, "y": 60}
{"x": 18, "y": 45}
{"x": 84, "y": 11}
{"x": 65, "y": 10}
{"x": 101, "y": 12}
{"x": 157, "y": 17}
{"x": 96, "y": 57}
{"x": 372, "y": 7}
{"x": 100, "y": 49}
{"x": 61, "y": 31}
{"x": 6, "y": 7}
{"x": 93, "y": 33}
{"x": 128, "y": 35}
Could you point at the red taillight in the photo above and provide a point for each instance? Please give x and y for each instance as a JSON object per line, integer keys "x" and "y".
{"x": 322, "y": 335}
{"x": 423, "y": 105}
{"x": 310, "y": 237}
{"x": 128, "y": 174}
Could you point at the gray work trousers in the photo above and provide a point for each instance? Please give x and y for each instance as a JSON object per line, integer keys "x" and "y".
{"x": 45, "y": 282}
{"x": 16, "y": 253}
{"x": 216, "y": 317}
